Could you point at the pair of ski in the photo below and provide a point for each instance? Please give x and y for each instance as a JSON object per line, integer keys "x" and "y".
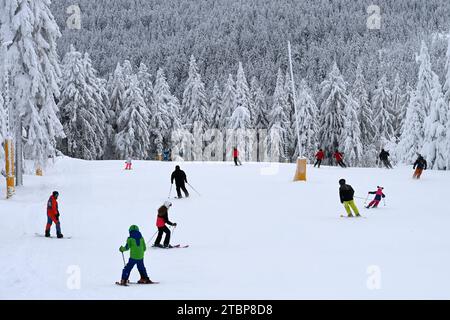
{"x": 129, "y": 282}
{"x": 177, "y": 246}
{"x": 350, "y": 217}
{"x": 43, "y": 236}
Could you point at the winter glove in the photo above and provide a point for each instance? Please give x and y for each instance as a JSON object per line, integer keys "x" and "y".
{"x": 57, "y": 216}
{"x": 174, "y": 225}
{"x": 122, "y": 249}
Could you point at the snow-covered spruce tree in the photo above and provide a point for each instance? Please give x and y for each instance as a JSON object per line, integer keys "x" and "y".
{"x": 165, "y": 115}
{"x": 258, "y": 99}
{"x": 145, "y": 84}
{"x": 446, "y": 90}
{"x": 278, "y": 123}
{"x": 116, "y": 88}
{"x": 397, "y": 106}
{"x": 351, "y": 133}
{"x": 241, "y": 138}
{"x": 291, "y": 135}
{"x": 333, "y": 100}
{"x": 133, "y": 137}
{"x": 412, "y": 138}
{"x": 243, "y": 98}
{"x": 2, "y": 128}
{"x": 81, "y": 108}
{"x": 228, "y": 102}
{"x": 308, "y": 124}
{"x": 32, "y": 64}
{"x": 215, "y": 106}
{"x": 435, "y": 141}
{"x": 383, "y": 117}
{"x": 365, "y": 117}
{"x": 260, "y": 114}
{"x": 194, "y": 105}
{"x": 228, "y": 107}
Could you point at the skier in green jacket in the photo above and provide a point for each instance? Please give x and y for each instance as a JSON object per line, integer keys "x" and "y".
{"x": 137, "y": 247}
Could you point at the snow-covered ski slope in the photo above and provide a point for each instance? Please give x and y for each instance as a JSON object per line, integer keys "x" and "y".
{"x": 251, "y": 235}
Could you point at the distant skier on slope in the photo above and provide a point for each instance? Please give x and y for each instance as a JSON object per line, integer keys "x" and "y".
{"x": 339, "y": 159}
{"x": 237, "y": 162}
{"x": 53, "y": 215}
{"x": 161, "y": 220}
{"x": 319, "y": 157}
{"x": 136, "y": 245}
{"x": 180, "y": 179}
{"x": 128, "y": 164}
{"x": 384, "y": 158}
{"x": 346, "y": 194}
{"x": 419, "y": 166}
{"x": 378, "y": 195}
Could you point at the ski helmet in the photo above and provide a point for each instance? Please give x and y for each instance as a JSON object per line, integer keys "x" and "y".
{"x": 133, "y": 228}
{"x": 167, "y": 204}
{"x": 55, "y": 194}
{"x": 342, "y": 181}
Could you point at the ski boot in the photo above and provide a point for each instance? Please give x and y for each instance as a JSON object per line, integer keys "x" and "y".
{"x": 157, "y": 245}
{"x": 167, "y": 246}
{"x": 59, "y": 235}
{"x": 145, "y": 280}
{"x": 123, "y": 282}
{"x": 47, "y": 233}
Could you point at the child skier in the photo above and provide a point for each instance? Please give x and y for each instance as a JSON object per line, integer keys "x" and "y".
{"x": 161, "y": 220}
{"x": 419, "y": 166}
{"x": 319, "y": 157}
{"x": 137, "y": 247}
{"x": 236, "y": 157}
{"x": 346, "y": 193}
{"x": 339, "y": 159}
{"x": 378, "y": 195}
{"x": 53, "y": 215}
{"x": 128, "y": 164}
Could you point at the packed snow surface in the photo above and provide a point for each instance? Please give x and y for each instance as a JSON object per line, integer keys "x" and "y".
{"x": 253, "y": 233}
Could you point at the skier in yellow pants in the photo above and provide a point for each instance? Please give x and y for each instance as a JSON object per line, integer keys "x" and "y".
{"x": 346, "y": 193}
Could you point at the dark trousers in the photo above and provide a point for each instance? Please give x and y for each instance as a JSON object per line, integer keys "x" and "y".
{"x": 387, "y": 164}
{"x": 162, "y": 230}
{"x": 318, "y": 162}
{"x": 49, "y": 224}
{"x": 237, "y": 161}
{"x": 342, "y": 164}
{"x": 130, "y": 265}
{"x": 182, "y": 187}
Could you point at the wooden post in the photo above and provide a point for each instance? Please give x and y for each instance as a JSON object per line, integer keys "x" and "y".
{"x": 9, "y": 157}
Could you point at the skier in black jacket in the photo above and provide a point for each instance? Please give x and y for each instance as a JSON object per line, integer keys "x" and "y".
{"x": 180, "y": 178}
{"x": 419, "y": 166}
{"x": 384, "y": 157}
{"x": 346, "y": 193}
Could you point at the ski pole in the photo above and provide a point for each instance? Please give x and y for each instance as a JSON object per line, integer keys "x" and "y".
{"x": 123, "y": 257}
{"x": 173, "y": 231}
{"x": 170, "y": 191}
{"x": 152, "y": 237}
{"x": 366, "y": 199}
{"x": 193, "y": 189}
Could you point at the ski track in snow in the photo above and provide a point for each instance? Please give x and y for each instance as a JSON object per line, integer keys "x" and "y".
{"x": 251, "y": 236}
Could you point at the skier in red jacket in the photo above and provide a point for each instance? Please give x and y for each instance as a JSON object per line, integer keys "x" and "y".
{"x": 53, "y": 215}
{"x": 161, "y": 220}
{"x": 319, "y": 157}
{"x": 236, "y": 157}
{"x": 338, "y": 156}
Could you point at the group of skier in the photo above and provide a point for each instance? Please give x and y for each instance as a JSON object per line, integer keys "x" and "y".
{"x": 337, "y": 155}
{"x": 136, "y": 244}
{"x": 347, "y": 195}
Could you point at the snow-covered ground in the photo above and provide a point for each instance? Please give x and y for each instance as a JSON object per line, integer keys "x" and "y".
{"x": 251, "y": 235}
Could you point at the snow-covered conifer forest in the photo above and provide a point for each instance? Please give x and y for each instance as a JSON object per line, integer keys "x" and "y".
{"x": 118, "y": 78}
